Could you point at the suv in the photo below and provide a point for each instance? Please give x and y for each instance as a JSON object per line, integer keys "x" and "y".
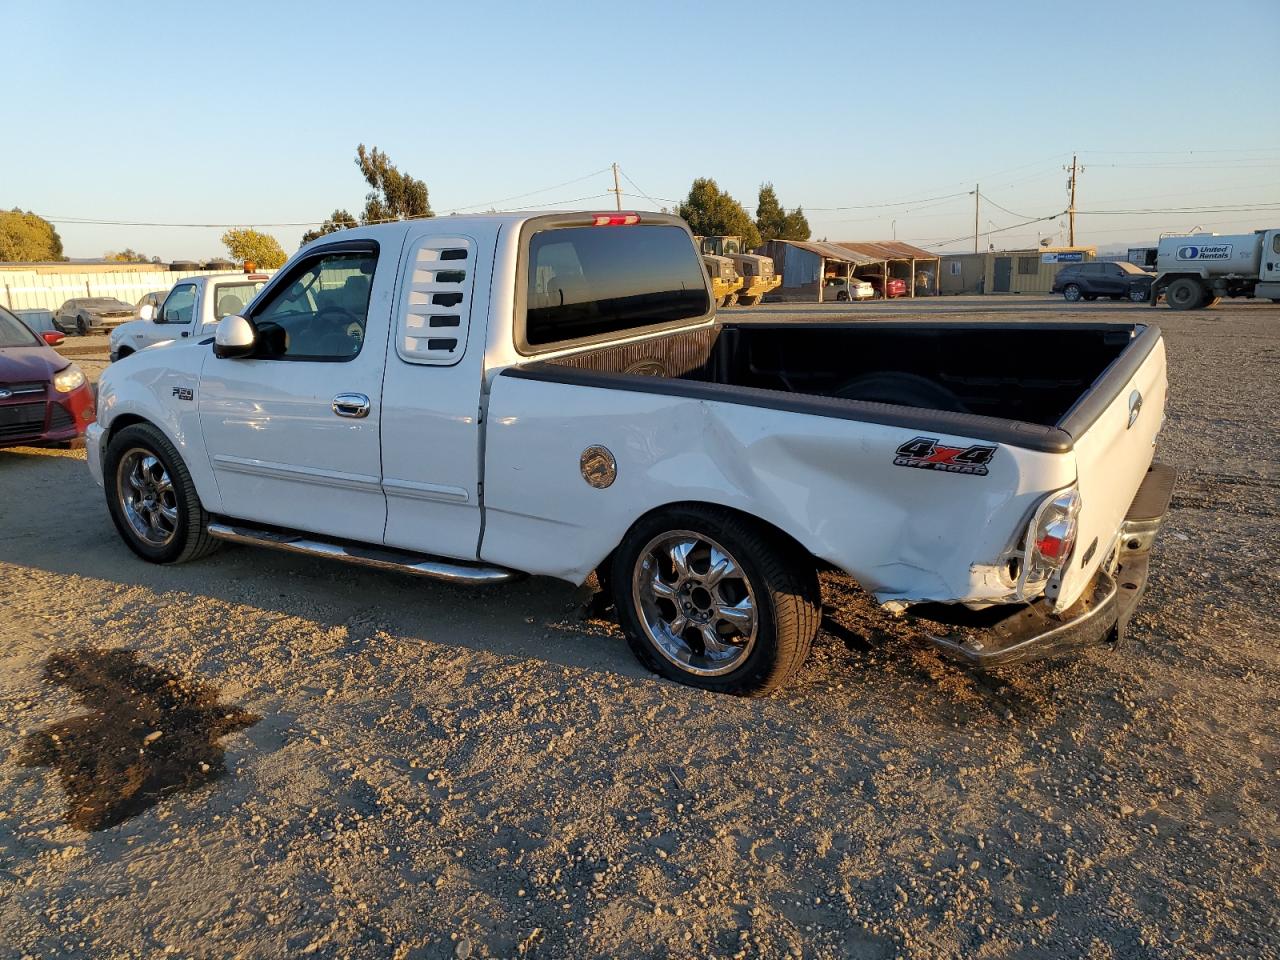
{"x": 1089, "y": 281}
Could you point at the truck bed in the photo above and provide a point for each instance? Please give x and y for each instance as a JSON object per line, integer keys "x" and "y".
{"x": 1029, "y": 384}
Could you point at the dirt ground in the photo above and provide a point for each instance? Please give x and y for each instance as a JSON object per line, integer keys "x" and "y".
{"x": 355, "y": 764}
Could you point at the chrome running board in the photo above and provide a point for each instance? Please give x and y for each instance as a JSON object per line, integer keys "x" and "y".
{"x": 381, "y": 558}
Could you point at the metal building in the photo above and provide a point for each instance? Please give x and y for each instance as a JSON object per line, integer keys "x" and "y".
{"x": 1009, "y": 271}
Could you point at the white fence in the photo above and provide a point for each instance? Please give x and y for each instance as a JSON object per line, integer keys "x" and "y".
{"x": 35, "y": 296}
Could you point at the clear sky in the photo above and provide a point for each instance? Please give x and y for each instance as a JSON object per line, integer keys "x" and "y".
{"x": 250, "y": 113}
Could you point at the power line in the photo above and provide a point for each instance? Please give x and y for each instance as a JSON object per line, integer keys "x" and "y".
{"x": 970, "y": 236}
{"x": 518, "y": 196}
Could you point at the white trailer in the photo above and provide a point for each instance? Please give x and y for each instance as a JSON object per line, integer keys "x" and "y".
{"x": 1196, "y": 271}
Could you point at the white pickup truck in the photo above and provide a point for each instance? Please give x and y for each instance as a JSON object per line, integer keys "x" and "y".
{"x": 192, "y": 309}
{"x": 471, "y": 398}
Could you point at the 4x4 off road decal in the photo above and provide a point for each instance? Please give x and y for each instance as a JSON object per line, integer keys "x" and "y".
{"x": 927, "y": 453}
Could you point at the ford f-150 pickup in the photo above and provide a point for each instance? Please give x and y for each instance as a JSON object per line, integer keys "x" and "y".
{"x": 472, "y": 398}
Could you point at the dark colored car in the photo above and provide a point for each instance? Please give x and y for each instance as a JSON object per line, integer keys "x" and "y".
{"x": 85, "y": 315}
{"x": 44, "y": 398}
{"x": 1089, "y": 281}
{"x": 897, "y": 286}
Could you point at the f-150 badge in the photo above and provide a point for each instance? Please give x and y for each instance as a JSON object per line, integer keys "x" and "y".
{"x": 927, "y": 453}
{"x": 184, "y": 393}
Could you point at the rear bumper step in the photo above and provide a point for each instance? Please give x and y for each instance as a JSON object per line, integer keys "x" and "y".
{"x": 417, "y": 565}
{"x": 1033, "y": 632}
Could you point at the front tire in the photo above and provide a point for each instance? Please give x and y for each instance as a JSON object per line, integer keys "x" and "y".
{"x": 82, "y": 326}
{"x": 1071, "y": 293}
{"x": 151, "y": 498}
{"x": 714, "y": 600}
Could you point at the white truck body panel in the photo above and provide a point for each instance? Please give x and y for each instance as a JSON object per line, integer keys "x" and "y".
{"x": 829, "y": 483}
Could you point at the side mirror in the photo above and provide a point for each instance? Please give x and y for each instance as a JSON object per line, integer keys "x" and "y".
{"x": 147, "y": 311}
{"x": 52, "y": 337}
{"x": 235, "y": 337}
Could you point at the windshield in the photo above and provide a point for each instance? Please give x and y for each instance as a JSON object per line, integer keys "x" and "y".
{"x": 14, "y": 333}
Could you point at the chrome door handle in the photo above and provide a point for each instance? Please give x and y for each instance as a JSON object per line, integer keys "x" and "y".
{"x": 354, "y": 405}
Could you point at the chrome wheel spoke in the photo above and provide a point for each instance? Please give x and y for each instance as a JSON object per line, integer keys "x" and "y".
{"x": 712, "y": 643}
{"x": 741, "y": 615}
{"x": 679, "y": 554}
{"x": 662, "y": 589}
{"x": 169, "y": 513}
{"x": 678, "y": 626}
{"x": 722, "y": 566}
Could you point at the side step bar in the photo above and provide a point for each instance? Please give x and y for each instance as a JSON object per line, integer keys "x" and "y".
{"x": 418, "y": 565}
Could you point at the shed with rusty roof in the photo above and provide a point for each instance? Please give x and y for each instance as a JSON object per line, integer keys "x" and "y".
{"x": 806, "y": 265}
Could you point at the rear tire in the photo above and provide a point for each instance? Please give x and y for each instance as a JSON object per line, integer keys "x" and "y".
{"x": 842, "y": 297}
{"x": 181, "y": 535}
{"x": 764, "y": 580}
{"x": 1138, "y": 295}
{"x": 1184, "y": 294}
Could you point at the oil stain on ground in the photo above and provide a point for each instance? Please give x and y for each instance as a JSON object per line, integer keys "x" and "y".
{"x": 150, "y": 733}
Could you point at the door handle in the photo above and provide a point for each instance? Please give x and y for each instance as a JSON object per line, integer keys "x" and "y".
{"x": 354, "y": 405}
{"x": 185, "y": 333}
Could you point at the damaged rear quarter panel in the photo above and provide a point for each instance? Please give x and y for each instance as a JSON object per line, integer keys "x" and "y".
{"x": 902, "y": 533}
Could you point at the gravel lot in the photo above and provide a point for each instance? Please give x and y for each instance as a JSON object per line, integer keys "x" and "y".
{"x": 363, "y": 765}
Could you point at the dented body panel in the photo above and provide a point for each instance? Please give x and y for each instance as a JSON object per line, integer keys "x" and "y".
{"x": 909, "y": 535}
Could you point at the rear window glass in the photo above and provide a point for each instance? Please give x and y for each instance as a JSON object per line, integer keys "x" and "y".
{"x": 232, "y": 298}
{"x": 590, "y": 281}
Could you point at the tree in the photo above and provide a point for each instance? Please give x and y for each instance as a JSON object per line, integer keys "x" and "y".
{"x": 773, "y": 220}
{"x": 395, "y": 195}
{"x": 262, "y": 249}
{"x": 129, "y": 255}
{"x": 711, "y": 212}
{"x": 25, "y": 237}
{"x": 338, "y": 220}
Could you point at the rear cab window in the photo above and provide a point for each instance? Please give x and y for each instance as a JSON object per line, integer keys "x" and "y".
{"x": 588, "y": 283}
{"x": 232, "y": 298}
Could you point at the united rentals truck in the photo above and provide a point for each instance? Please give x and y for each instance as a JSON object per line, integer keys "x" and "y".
{"x": 1193, "y": 272}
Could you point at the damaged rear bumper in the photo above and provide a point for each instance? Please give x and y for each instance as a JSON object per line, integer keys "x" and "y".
{"x": 1001, "y": 636}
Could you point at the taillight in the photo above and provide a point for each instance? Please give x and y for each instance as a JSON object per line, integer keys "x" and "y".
{"x": 615, "y": 219}
{"x": 1052, "y": 535}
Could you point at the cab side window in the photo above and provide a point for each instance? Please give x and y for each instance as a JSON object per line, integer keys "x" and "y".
{"x": 180, "y": 305}
{"x": 320, "y": 310}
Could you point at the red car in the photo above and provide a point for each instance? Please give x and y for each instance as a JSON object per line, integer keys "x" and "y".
{"x": 897, "y": 286}
{"x": 44, "y": 398}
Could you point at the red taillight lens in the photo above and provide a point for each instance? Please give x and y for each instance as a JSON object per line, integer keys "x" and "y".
{"x": 1055, "y": 543}
{"x": 615, "y": 219}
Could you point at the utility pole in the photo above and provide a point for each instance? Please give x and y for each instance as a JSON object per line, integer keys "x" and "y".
{"x": 617, "y": 190}
{"x": 976, "y": 197}
{"x": 1071, "y": 210}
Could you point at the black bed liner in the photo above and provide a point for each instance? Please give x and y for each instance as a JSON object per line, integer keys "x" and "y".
{"x": 686, "y": 364}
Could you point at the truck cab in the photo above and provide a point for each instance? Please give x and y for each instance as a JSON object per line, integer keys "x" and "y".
{"x": 191, "y": 310}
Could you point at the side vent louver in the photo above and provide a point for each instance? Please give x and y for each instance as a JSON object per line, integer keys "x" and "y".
{"x": 431, "y": 287}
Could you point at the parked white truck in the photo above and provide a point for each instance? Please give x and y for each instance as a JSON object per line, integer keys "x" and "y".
{"x": 192, "y": 309}
{"x": 1196, "y": 271}
{"x": 470, "y": 398}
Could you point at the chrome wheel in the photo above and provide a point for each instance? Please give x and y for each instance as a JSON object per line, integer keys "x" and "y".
{"x": 147, "y": 498}
{"x": 695, "y": 603}
{"x": 1071, "y": 293}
